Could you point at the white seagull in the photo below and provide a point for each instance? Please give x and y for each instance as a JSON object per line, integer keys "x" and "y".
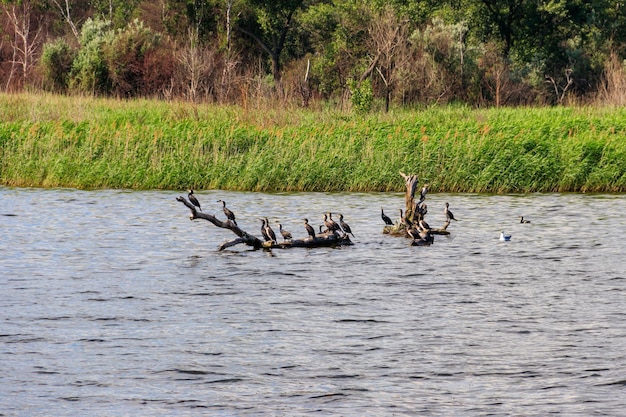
{"x": 504, "y": 238}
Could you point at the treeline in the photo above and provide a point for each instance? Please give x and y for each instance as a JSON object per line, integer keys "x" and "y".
{"x": 363, "y": 54}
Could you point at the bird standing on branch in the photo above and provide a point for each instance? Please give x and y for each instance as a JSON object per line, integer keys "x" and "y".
{"x": 194, "y": 200}
{"x": 229, "y": 214}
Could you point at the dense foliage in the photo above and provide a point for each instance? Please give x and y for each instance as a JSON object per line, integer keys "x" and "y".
{"x": 50, "y": 141}
{"x": 398, "y": 53}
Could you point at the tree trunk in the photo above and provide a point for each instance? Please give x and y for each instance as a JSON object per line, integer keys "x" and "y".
{"x": 409, "y": 218}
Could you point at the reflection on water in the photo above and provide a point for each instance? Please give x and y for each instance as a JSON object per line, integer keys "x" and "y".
{"x": 114, "y": 303}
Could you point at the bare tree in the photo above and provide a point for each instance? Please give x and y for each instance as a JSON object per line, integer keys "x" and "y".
{"x": 561, "y": 89}
{"x": 388, "y": 38}
{"x": 65, "y": 10}
{"x": 496, "y": 75}
{"x": 25, "y": 40}
{"x": 195, "y": 63}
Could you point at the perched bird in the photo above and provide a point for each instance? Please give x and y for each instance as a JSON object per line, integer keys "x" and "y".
{"x": 345, "y": 226}
{"x": 229, "y": 214}
{"x": 414, "y": 233}
{"x": 194, "y": 200}
{"x": 504, "y": 238}
{"x": 321, "y": 229}
{"x": 385, "y": 218}
{"x": 286, "y": 234}
{"x": 424, "y": 225}
{"x": 423, "y": 209}
{"x": 448, "y": 213}
{"x": 266, "y": 237}
{"x": 309, "y": 228}
{"x": 330, "y": 224}
{"x": 269, "y": 231}
{"x": 402, "y": 220}
{"x": 423, "y": 192}
{"x": 522, "y": 220}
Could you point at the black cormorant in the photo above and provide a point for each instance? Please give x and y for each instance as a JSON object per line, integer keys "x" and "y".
{"x": 309, "y": 228}
{"x": 424, "y": 225}
{"x": 345, "y": 226}
{"x": 385, "y": 218}
{"x": 333, "y": 223}
{"x": 194, "y": 200}
{"x": 402, "y": 220}
{"x": 269, "y": 231}
{"x": 229, "y": 214}
{"x": 448, "y": 213}
{"x": 330, "y": 224}
{"x": 423, "y": 209}
{"x": 286, "y": 234}
{"x": 522, "y": 220}
{"x": 266, "y": 237}
{"x": 423, "y": 193}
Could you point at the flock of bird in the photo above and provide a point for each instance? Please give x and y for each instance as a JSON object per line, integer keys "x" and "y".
{"x": 341, "y": 227}
{"x": 419, "y": 230}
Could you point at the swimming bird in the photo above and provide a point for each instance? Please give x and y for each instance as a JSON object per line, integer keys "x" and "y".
{"x": 269, "y": 231}
{"x": 345, "y": 226}
{"x": 385, "y": 218}
{"x": 194, "y": 200}
{"x": 309, "y": 228}
{"x": 229, "y": 214}
{"x": 504, "y": 238}
{"x": 448, "y": 213}
{"x": 266, "y": 237}
{"x": 522, "y": 220}
{"x": 286, "y": 234}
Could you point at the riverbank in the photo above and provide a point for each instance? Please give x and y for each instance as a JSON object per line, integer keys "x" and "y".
{"x": 57, "y": 141}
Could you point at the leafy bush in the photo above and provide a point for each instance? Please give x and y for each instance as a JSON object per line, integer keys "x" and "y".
{"x": 362, "y": 96}
{"x": 129, "y": 58}
{"x": 56, "y": 64}
{"x": 89, "y": 71}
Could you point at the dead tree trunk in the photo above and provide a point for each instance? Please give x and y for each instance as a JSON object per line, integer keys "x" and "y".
{"x": 245, "y": 238}
{"x": 410, "y": 218}
{"x": 410, "y": 182}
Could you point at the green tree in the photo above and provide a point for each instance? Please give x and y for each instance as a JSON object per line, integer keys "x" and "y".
{"x": 56, "y": 63}
{"x": 270, "y": 23}
{"x": 89, "y": 70}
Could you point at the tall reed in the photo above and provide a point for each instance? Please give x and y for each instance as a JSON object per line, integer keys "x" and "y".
{"x": 50, "y": 141}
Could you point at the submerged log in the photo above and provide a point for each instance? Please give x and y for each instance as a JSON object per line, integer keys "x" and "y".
{"x": 245, "y": 238}
{"x": 401, "y": 230}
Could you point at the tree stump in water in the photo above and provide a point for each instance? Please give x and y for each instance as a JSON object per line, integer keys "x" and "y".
{"x": 411, "y": 217}
{"x": 245, "y": 238}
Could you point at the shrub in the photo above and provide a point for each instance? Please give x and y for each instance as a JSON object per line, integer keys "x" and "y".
{"x": 89, "y": 70}
{"x": 128, "y": 58}
{"x": 362, "y": 96}
{"x": 56, "y": 64}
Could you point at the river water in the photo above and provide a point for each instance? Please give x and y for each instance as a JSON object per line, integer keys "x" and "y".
{"x": 115, "y": 303}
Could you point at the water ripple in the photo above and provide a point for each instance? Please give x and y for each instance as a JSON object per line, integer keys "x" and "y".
{"x": 104, "y": 312}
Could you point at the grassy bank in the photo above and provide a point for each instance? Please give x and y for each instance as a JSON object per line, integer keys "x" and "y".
{"x": 80, "y": 142}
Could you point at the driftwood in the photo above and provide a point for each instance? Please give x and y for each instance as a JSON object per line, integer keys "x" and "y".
{"x": 245, "y": 238}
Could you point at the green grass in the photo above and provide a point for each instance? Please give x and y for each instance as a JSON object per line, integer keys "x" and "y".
{"x": 52, "y": 141}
